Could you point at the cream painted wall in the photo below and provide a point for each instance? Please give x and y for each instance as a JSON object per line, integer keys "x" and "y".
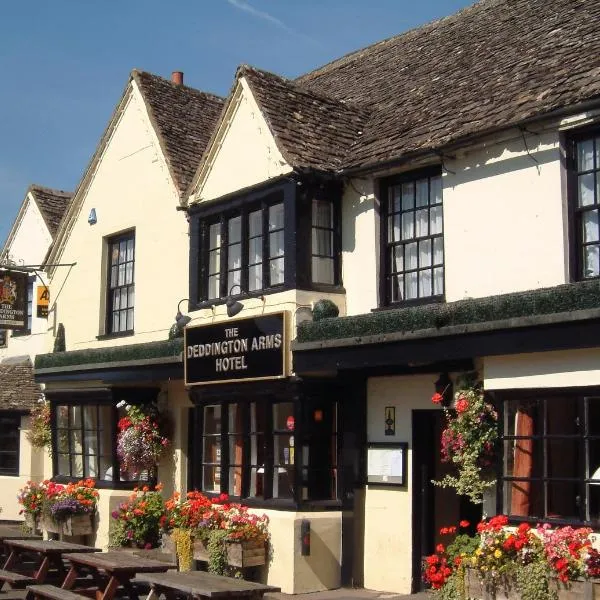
{"x": 131, "y": 188}
{"x": 388, "y": 511}
{"x": 503, "y": 218}
{"x": 297, "y": 574}
{"x": 360, "y": 246}
{"x": 568, "y": 368}
{"x": 244, "y": 152}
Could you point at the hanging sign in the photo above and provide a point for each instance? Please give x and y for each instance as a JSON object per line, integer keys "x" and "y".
{"x": 43, "y": 301}
{"x": 239, "y": 350}
{"x": 13, "y": 300}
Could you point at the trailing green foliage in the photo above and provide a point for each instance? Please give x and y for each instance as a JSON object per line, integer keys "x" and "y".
{"x": 533, "y": 581}
{"x": 160, "y": 349}
{"x": 560, "y": 299}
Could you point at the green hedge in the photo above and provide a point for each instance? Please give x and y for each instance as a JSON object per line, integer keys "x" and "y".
{"x": 560, "y": 299}
{"x": 160, "y": 349}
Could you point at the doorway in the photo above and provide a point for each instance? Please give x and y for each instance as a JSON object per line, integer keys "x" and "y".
{"x": 434, "y": 507}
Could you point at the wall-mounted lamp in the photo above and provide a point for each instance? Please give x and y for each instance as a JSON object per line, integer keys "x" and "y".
{"x": 445, "y": 388}
{"x": 182, "y": 320}
{"x": 92, "y": 219}
{"x": 233, "y": 306}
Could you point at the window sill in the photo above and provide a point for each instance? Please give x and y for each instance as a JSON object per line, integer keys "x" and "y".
{"x": 409, "y": 303}
{"x": 110, "y": 336}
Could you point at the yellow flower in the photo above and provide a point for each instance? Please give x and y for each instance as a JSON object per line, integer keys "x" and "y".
{"x": 498, "y": 553}
{"x": 479, "y": 552}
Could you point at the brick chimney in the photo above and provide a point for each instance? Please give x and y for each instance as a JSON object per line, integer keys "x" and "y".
{"x": 177, "y": 77}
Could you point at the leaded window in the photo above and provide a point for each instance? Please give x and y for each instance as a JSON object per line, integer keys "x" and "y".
{"x": 10, "y": 428}
{"x": 414, "y": 238}
{"x": 121, "y": 286}
{"x": 323, "y": 242}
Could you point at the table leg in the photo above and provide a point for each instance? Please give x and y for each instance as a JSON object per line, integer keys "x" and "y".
{"x": 109, "y": 591}
{"x": 11, "y": 560}
{"x": 129, "y": 587}
{"x": 70, "y": 579}
{"x": 153, "y": 595}
{"x": 42, "y": 572}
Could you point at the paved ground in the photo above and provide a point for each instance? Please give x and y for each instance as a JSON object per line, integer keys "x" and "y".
{"x": 350, "y": 594}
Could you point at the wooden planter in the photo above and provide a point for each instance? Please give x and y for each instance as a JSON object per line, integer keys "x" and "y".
{"x": 239, "y": 554}
{"x": 72, "y": 525}
{"x": 32, "y": 521}
{"x": 576, "y": 590}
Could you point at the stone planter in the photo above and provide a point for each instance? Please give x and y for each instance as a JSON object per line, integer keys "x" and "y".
{"x": 71, "y": 526}
{"x": 576, "y": 590}
{"x": 33, "y": 522}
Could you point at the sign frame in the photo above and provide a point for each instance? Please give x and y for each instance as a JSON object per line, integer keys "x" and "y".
{"x": 284, "y": 351}
{"x": 18, "y": 303}
{"x": 390, "y": 480}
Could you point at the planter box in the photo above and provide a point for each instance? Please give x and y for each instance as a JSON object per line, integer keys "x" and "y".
{"x": 577, "y": 590}
{"x": 239, "y": 554}
{"x": 72, "y": 525}
{"x": 32, "y": 521}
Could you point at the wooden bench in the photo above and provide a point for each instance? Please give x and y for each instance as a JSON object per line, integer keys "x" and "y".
{"x": 52, "y": 592}
{"x": 16, "y": 580}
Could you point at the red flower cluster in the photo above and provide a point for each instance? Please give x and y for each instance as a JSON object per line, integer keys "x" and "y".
{"x": 496, "y": 523}
{"x": 437, "y": 571}
{"x": 462, "y": 405}
{"x": 437, "y": 398}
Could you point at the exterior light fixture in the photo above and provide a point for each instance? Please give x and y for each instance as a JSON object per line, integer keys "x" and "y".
{"x": 182, "y": 320}
{"x": 92, "y": 219}
{"x": 444, "y": 387}
{"x": 233, "y": 306}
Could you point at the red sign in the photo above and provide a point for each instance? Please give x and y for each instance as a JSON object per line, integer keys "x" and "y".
{"x": 290, "y": 423}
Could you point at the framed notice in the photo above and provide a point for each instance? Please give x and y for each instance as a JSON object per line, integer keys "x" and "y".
{"x": 236, "y": 350}
{"x": 386, "y": 463}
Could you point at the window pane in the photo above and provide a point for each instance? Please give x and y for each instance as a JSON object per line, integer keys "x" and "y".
{"x": 234, "y": 257}
{"x": 322, "y": 270}
{"x": 591, "y": 261}
{"x": 64, "y": 465}
{"x": 235, "y": 230}
{"x": 590, "y": 225}
{"x": 322, "y": 242}
{"x": 435, "y": 194}
{"x": 394, "y": 199}
{"x": 121, "y": 279}
{"x": 255, "y": 251}
{"x": 422, "y": 192}
{"x": 585, "y": 155}
{"x": 76, "y": 465}
{"x": 435, "y": 217}
{"x": 425, "y": 283}
{"x": 255, "y": 277}
{"x": 563, "y": 499}
{"x": 410, "y": 255}
{"x": 214, "y": 261}
{"x": 425, "y": 253}
{"x": 212, "y": 419}
{"x": 397, "y": 258}
{"x": 282, "y": 411}
{"x": 215, "y": 236}
{"x": 276, "y": 217}
{"x": 214, "y": 283}
{"x": 130, "y": 248}
{"x": 130, "y": 319}
{"x": 131, "y": 296}
{"x": 422, "y": 219}
{"x": 276, "y": 240}
{"x": 438, "y": 281}
{"x": 255, "y": 223}
{"x": 408, "y": 195}
{"x": 75, "y": 416}
{"x": 129, "y": 273}
{"x": 408, "y": 225}
{"x": 397, "y": 288}
{"x": 62, "y": 416}
{"x": 322, "y": 213}
{"x": 276, "y": 271}
{"x": 438, "y": 251}
{"x": 586, "y": 189}
{"x": 234, "y": 279}
{"x": 211, "y": 478}
{"x": 411, "y": 285}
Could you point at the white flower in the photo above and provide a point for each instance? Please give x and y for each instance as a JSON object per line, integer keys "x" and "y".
{"x": 121, "y": 404}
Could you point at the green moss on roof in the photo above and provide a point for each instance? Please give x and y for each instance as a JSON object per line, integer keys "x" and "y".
{"x": 149, "y": 350}
{"x": 560, "y": 299}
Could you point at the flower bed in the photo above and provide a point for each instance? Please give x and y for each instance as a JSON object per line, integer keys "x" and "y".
{"x": 523, "y": 562}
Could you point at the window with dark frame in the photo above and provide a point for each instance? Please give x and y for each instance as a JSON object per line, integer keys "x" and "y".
{"x": 29, "y": 308}
{"x": 244, "y": 251}
{"x": 552, "y": 457}
{"x": 10, "y": 428}
{"x": 121, "y": 286}
{"x": 323, "y": 253}
{"x": 414, "y": 238}
{"x": 585, "y": 191}
{"x": 254, "y": 455}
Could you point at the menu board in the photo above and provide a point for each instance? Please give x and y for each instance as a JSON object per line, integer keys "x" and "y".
{"x": 386, "y": 464}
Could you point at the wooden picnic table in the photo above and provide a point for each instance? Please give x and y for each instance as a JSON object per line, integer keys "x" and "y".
{"x": 120, "y": 567}
{"x": 202, "y": 585}
{"x": 14, "y": 532}
{"x": 49, "y": 553}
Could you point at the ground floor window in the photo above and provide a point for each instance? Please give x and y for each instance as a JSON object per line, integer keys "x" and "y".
{"x": 10, "y": 427}
{"x": 268, "y": 449}
{"x": 552, "y": 457}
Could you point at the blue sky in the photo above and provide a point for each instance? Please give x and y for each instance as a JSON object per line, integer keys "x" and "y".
{"x": 65, "y": 63}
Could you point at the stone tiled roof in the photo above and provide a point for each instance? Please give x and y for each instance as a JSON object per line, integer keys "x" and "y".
{"x": 18, "y": 389}
{"x": 312, "y": 130}
{"x": 184, "y": 119}
{"x": 52, "y": 204}
{"x": 489, "y": 66}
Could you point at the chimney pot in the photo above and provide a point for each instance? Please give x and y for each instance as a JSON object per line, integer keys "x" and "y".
{"x": 177, "y": 77}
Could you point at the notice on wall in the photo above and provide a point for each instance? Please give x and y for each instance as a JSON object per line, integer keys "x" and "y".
{"x": 13, "y": 299}
{"x": 386, "y": 464}
{"x": 239, "y": 350}
{"x": 43, "y": 301}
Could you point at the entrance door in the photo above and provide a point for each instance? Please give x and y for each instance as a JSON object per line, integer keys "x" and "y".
{"x": 433, "y": 507}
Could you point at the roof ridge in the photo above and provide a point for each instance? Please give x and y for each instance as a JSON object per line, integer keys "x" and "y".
{"x": 136, "y": 71}
{"x": 346, "y": 58}
{"x": 44, "y": 188}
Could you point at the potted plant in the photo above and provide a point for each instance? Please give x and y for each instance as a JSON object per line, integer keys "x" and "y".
{"x": 469, "y": 441}
{"x": 137, "y": 521}
{"x": 141, "y": 439}
{"x": 31, "y": 498}
{"x": 221, "y": 533}
{"x": 70, "y": 509}
{"x": 40, "y": 433}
